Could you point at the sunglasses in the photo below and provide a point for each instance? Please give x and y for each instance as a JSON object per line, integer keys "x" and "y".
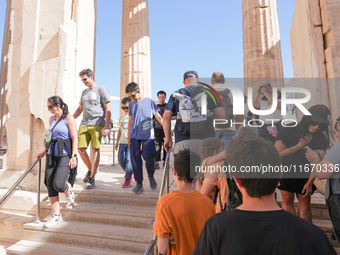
{"x": 124, "y": 108}
{"x": 134, "y": 95}
{"x": 50, "y": 107}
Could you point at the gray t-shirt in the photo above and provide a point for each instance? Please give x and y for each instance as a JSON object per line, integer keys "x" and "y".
{"x": 333, "y": 157}
{"x": 93, "y": 100}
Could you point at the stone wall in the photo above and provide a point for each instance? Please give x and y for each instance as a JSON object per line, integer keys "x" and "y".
{"x": 46, "y": 44}
{"x": 330, "y": 10}
{"x": 315, "y": 44}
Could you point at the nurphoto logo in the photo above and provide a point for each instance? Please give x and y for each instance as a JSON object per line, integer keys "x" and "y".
{"x": 239, "y": 106}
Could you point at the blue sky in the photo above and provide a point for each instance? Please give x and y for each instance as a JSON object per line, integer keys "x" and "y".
{"x": 205, "y": 36}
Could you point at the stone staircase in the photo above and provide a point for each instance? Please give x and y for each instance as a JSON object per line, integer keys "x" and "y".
{"x": 102, "y": 223}
{"x": 106, "y": 220}
{"x": 320, "y": 216}
{"x": 322, "y": 220}
{"x": 112, "y": 222}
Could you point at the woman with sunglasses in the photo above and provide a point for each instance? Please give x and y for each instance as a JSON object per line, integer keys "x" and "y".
{"x": 61, "y": 157}
{"x": 290, "y": 143}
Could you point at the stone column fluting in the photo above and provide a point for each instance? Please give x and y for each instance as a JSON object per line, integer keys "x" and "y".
{"x": 315, "y": 43}
{"x": 261, "y": 44}
{"x": 41, "y": 39}
{"x": 135, "y": 49}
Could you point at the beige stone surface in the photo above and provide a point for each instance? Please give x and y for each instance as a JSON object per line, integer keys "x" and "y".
{"x": 20, "y": 201}
{"x": 261, "y": 43}
{"x": 307, "y": 51}
{"x": 306, "y": 40}
{"x": 46, "y": 44}
{"x": 330, "y": 10}
{"x": 135, "y": 51}
{"x": 315, "y": 44}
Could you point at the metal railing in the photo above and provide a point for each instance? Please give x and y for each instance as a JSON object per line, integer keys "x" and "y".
{"x": 15, "y": 185}
{"x": 165, "y": 187}
{"x": 113, "y": 146}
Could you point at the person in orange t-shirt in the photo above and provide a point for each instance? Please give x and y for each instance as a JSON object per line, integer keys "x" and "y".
{"x": 181, "y": 215}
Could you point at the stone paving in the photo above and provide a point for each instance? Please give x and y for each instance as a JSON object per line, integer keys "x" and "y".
{"x": 111, "y": 177}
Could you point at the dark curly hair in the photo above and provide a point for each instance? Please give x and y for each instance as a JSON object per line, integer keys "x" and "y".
{"x": 254, "y": 152}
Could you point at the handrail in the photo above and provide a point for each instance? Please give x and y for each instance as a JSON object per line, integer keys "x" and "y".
{"x": 113, "y": 146}
{"x": 10, "y": 191}
{"x": 165, "y": 178}
{"x": 151, "y": 246}
{"x": 163, "y": 190}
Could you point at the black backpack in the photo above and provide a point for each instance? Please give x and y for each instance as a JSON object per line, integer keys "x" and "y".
{"x": 234, "y": 195}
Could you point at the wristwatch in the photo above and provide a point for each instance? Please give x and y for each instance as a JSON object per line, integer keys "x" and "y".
{"x": 74, "y": 155}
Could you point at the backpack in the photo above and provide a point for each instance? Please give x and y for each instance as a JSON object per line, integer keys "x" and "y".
{"x": 190, "y": 120}
{"x": 234, "y": 195}
{"x": 227, "y": 107}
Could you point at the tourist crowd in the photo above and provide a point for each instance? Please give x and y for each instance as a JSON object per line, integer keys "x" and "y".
{"x": 210, "y": 159}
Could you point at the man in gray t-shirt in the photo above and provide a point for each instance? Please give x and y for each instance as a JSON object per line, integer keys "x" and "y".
{"x": 96, "y": 108}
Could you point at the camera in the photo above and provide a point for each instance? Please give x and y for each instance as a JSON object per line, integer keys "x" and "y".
{"x": 266, "y": 88}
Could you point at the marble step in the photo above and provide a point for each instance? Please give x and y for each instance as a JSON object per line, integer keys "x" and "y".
{"x": 91, "y": 235}
{"x": 147, "y": 198}
{"x": 112, "y": 214}
{"x": 25, "y": 247}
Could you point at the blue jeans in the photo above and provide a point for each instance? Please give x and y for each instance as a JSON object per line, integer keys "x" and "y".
{"x": 125, "y": 160}
{"x": 226, "y": 136}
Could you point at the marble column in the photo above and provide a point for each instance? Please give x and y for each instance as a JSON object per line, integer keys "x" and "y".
{"x": 39, "y": 60}
{"x": 135, "y": 51}
{"x": 261, "y": 43}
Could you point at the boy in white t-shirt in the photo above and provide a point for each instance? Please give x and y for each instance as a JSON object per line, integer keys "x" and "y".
{"x": 124, "y": 150}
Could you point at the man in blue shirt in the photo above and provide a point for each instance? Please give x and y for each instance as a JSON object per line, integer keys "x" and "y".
{"x": 141, "y": 135}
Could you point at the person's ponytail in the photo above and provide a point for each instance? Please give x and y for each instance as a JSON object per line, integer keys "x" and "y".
{"x": 64, "y": 107}
{"x": 56, "y": 100}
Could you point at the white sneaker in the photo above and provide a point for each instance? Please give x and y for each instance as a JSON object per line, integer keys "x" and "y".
{"x": 70, "y": 200}
{"x": 54, "y": 220}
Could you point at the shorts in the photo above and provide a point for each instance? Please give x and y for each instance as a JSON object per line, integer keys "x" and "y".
{"x": 91, "y": 133}
{"x": 294, "y": 185}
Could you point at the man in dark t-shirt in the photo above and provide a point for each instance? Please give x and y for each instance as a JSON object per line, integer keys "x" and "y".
{"x": 259, "y": 225}
{"x": 159, "y": 132}
{"x": 189, "y": 141}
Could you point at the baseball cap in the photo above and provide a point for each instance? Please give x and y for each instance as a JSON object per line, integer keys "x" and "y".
{"x": 320, "y": 113}
{"x": 187, "y": 73}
